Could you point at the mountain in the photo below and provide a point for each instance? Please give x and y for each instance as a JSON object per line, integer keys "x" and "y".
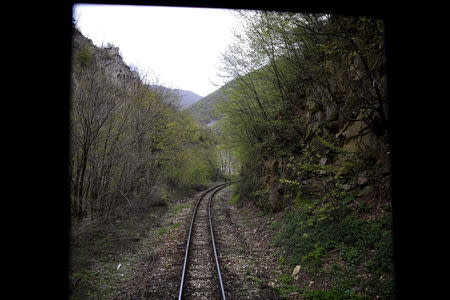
{"x": 204, "y": 109}
{"x": 184, "y": 97}
{"x": 187, "y": 97}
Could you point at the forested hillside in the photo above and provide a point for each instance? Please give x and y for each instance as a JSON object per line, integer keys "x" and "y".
{"x": 184, "y": 98}
{"x": 307, "y": 121}
{"x": 128, "y": 139}
{"x": 205, "y": 111}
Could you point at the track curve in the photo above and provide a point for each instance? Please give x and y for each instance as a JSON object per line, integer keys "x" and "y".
{"x": 201, "y": 277}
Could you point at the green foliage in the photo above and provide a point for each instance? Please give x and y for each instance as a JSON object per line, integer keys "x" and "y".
{"x": 315, "y": 256}
{"x": 289, "y": 182}
{"x": 310, "y": 232}
{"x": 175, "y": 209}
{"x": 332, "y": 294}
{"x": 297, "y": 80}
{"x": 164, "y": 230}
{"x": 189, "y": 167}
{"x": 85, "y": 57}
{"x": 126, "y": 138}
{"x": 286, "y": 286}
{"x": 330, "y": 145}
{"x": 234, "y": 199}
{"x": 204, "y": 110}
{"x": 259, "y": 281}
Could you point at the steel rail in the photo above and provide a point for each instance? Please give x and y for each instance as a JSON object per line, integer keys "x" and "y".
{"x": 216, "y": 258}
{"x": 186, "y": 254}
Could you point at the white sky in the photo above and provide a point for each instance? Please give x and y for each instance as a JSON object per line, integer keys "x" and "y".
{"x": 181, "y": 47}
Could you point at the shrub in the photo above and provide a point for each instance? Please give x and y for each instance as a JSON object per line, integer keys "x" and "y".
{"x": 84, "y": 57}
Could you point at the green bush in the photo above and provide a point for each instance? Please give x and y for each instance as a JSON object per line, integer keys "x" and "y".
{"x": 84, "y": 57}
{"x": 315, "y": 256}
{"x": 188, "y": 169}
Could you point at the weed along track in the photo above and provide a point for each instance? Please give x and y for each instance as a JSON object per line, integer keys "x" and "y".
{"x": 201, "y": 277}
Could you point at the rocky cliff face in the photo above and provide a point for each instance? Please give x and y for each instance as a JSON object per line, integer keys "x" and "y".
{"x": 345, "y": 142}
{"x": 111, "y": 63}
{"x": 108, "y": 59}
{"x": 355, "y": 158}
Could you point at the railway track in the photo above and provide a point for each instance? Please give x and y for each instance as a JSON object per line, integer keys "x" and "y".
{"x": 201, "y": 277}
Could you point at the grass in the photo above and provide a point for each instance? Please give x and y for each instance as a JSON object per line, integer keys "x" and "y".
{"x": 259, "y": 282}
{"x": 177, "y": 208}
{"x": 164, "y": 230}
{"x": 286, "y": 286}
{"x": 332, "y": 294}
{"x": 101, "y": 281}
{"x": 234, "y": 199}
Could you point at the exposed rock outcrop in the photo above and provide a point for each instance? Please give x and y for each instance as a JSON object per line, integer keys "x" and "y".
{"x": 108, "y": 58}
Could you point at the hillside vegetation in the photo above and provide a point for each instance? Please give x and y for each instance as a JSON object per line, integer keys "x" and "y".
{"x": 183, "y": 98}
{"x": 306, "y": 120}
{"x": 128, "y": 139}
{"x": 204, "y": 110}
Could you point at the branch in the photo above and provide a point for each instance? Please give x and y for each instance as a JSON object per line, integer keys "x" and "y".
{"x": 125, "y": 197}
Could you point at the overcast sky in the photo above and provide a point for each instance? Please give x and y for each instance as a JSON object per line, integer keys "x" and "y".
{"x": 179, "y": 46}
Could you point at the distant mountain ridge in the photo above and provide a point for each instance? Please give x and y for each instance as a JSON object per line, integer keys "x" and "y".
{"x": 204, "y": 109}
{"x": 188, "y": 97}
{"x": 185, "y": 98}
